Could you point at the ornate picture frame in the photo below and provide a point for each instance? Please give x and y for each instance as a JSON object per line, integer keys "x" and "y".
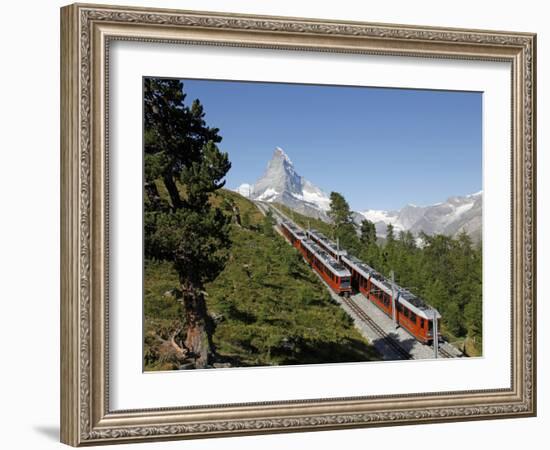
{"x": 86, "y": 34}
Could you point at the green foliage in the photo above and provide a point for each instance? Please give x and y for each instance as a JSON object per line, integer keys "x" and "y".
{"x": 275, "y": 309}
{"x": 269, "y": 307}
{"x": 447, "y": 273}
{"x": 390, "y": 235}
{"x": 182, "y": 157}
{"x": 339, "y": 212}
{"x": 343, "y": 226}
{"x": 368, "y": 233}
{"x": 245, "y": 219}
{"x": 163, "y": 314}
{"x": 268, "y": 223}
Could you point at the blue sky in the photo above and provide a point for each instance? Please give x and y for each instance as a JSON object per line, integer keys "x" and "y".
{"x": 381, "y": 148}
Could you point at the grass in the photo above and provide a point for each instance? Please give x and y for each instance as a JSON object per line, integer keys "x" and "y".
{"x": 268, "y": 306}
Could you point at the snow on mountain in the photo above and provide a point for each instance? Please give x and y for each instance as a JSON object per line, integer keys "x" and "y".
{"x": 450, "y": 217}
{"x": 312, "y": 194}
{"x": 281, "y": 183}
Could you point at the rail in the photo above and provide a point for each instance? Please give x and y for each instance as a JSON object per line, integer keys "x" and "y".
{"x": 404, "y": 354}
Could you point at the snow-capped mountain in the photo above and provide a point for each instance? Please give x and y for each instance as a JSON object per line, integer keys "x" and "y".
{"x": 281, "y": 183}
{"x": 451, "y": 217}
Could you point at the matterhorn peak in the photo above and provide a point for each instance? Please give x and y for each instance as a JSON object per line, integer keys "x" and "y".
{"x": 281, "y": 183}
{"x": 280, "y": 153}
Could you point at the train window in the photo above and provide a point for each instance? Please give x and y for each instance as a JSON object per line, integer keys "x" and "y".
{"x": 412, "y": 317}
{"x": 421, "y": 323}
{"x": 406, "y": 313}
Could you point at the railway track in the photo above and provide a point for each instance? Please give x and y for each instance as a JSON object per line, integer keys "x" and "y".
{"x": 377, "y": 329}
{"x": 364, "y": 317}
{"x": 441, "y": 351}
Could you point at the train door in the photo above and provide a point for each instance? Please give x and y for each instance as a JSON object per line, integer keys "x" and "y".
{"x": 355, "y": 279}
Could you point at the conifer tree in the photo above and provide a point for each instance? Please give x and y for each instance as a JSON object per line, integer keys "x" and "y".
{"x": 368, "y": 233}
{"x": 181, "y": 156}
{"x": 390, "y": 234}
{"x": 343, "y": 225}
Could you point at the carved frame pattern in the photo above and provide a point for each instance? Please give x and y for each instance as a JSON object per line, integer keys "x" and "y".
{"x": 86, "y": 418}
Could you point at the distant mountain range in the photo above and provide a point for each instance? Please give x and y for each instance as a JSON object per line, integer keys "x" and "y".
{"x": 281, "y": 183}
{"x": 450, "y": 217}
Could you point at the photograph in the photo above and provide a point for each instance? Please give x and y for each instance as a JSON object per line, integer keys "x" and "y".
{"x": 297, "y": 224}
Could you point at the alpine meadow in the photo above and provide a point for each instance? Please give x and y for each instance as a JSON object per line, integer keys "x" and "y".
{"x": 248, "y": 263}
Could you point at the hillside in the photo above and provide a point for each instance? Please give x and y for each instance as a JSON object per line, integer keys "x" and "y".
{"x": 267, "y": 306}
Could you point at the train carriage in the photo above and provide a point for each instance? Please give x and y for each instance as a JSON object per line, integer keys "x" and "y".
{"x": 416, "y": 316}
{"x": 412, "y": 313}
{"x": 351, "y": 274}
{"x": 293, "y": 233}
{"x": 334, "y": 273}
{"x": 326, "y": 244}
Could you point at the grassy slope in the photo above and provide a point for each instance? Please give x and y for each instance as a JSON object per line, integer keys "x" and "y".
{"x": 269, "y": 307}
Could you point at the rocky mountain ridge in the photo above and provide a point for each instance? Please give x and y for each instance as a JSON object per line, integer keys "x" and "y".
{"x": 281, "y": 183}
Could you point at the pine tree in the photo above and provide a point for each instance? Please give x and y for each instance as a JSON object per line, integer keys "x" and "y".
{"x": 390, "y": 234}
{"x": 368, "y": 233}
{"x": 343, "y": 226}
{"x": 181, "y": 154}
{"x": 339, "y": 212}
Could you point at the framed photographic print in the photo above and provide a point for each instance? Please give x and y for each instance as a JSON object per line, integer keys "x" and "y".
{"x": 278, "y": 224}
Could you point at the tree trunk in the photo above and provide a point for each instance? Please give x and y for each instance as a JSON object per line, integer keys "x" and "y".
{"x": 172, "y": 191}
{"x": 198, "y": 339}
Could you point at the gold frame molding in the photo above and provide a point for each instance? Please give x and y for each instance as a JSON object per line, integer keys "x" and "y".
{"x": 86, "y": 31}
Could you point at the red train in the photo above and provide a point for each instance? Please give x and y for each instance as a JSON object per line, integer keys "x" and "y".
{"x": 333, "y": 272}
{"x": 412, "y": 313}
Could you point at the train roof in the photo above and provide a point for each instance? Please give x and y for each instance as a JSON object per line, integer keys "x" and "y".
{"x": 359, "y": 266}
{"x": 327, "y": 242}
{"x": 417, "y": 305}
{"x": 294, "y": 229}
{"x": 333, "y": 265}
{"x": 406, "y": 298}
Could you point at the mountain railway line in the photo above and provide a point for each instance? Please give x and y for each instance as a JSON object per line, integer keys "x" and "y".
{"x": 400, "y": 351}
{"x": 371, "y": 317}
